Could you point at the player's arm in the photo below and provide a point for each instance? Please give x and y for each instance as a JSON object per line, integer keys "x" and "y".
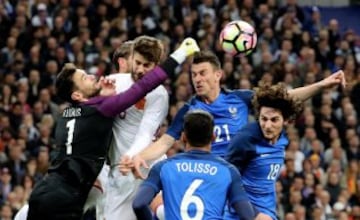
{"x": 155, "y": 111}
{"x": 156, "y": 149}
{"x": 142, "y": 201}
{"x": 166, "y": 141}
{"x": 239, "y": 200}
{"x": 306, "y": 92}
{"x": 246, "y": 95}
{"x": 112, "y": 105}
{"x": 241, "y": 150}
{"x": 146, "y": 192}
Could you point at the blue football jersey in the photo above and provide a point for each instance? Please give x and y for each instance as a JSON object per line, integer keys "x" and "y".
{"x": 230, "y": 111}
{"x": 196, "y": 185}
{"x": 259, "y": 164}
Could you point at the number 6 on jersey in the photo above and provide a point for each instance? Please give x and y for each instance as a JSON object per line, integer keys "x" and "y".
{"x": 188, "y": 199}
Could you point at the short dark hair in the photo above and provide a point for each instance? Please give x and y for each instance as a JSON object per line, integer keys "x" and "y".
{"x": 123, "y": 51}
{"x": 277, "y": 96}
{"x": 64, "y": 82}
{"x": 207, "y": 56}
{"x": 149, "y": 47}
{"x": 198, "y": 128}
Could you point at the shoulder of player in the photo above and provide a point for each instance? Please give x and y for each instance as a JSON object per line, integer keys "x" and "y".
{"x": 158, "y": 91}
{"x": 247, "y": 137}
{"x": 241, "y": 93}
{"x": 123, "y": 81}
{"x": 119, "y": 76}
{"x": 160, "y": 164}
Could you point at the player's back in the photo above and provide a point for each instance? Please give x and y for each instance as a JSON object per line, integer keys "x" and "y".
{"x": 195, "y": 185}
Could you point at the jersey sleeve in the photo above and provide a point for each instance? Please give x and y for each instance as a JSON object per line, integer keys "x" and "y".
{"x": 176, "y": 126}
{"x": 236, "y": 190}
{"x": 155, "y": 111}
{"x": 153, "y": 180}
{"x": 143, "y": 198}
{"x": 241, "y": 150}
{"x": 110, "y": 106}
{"x": 246, "y": 95}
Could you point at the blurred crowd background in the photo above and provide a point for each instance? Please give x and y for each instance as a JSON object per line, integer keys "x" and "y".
{"x": 321, "y": 176}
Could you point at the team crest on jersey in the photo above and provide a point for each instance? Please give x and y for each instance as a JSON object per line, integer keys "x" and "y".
{"x": 233, "y": 111}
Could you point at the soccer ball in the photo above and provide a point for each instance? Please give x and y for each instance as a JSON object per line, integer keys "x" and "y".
{"x": 238, "y": 38}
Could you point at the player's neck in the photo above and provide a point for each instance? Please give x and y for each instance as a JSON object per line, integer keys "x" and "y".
{"x": 205, "y": 148}
{"x": 211, "y": 97}
{"x": 273, "y": 140}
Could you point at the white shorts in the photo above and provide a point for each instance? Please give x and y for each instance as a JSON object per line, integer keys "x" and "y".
{"x": 121, "y": 191}
{"x": 120, "y": 194}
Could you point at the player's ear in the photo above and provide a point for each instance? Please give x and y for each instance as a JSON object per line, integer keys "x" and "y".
{"x": 213, "y": 137}
{"x": 121, "y": 64}
{"x": 76, "y": 96}
{"x": 219, "y": 73}
{"x": 183, "y": 138}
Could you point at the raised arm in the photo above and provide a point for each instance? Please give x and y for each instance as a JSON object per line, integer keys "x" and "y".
{"x": 113, "y": 105}
{"x": 306, "y": 92}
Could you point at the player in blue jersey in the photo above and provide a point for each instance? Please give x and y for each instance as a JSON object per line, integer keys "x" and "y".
{"x": 229, "y": 108}
{"x": 207, "y": 181}
{"x": 258, "y": 150}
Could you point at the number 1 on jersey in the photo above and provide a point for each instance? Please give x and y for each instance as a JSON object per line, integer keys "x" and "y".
{"x": 71, "y": 126}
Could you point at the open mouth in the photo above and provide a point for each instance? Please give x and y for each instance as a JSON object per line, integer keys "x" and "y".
{"x": 199, "y": 87}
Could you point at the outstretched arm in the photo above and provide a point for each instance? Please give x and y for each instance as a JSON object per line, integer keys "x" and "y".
{"x": 112, "y": 105}
{"x": 306, "y": 92}
{"x": 158, "y": 148}
{"x": 166, "y": 141}
{"x": 154, "y": 151}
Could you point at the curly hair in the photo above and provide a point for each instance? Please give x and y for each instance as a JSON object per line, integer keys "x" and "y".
{"x": 277, "y": 96}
